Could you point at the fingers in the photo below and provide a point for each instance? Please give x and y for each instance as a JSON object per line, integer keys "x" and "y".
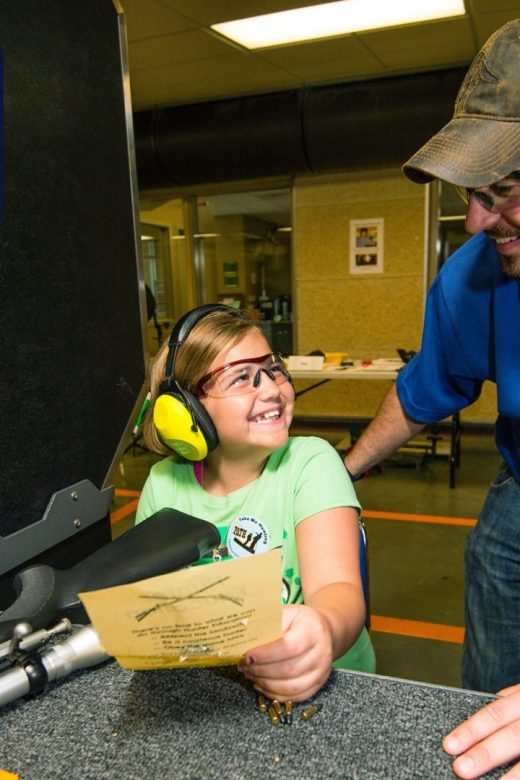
{"x": 292, "y": 677}
{"x": 488, "y": 739}
{"x": 296, "y": 665}
{"x": 510, "y": 690}
{"x": 283, "y": 691}
{"x": 501, "y": 748}
{"x": 485, "y": 722}
{"x": 295, "y": 687}
{"x": 273, "y": 651}
{"x": 305, "y": 635}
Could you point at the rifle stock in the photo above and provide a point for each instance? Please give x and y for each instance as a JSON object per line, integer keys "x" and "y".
{"x": 164, "y": 542}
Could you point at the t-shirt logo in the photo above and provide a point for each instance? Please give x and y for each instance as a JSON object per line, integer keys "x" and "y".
{"x": 247, "y": 536}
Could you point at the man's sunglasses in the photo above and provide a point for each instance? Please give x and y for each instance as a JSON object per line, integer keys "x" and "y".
{"x": 496, "y": 198}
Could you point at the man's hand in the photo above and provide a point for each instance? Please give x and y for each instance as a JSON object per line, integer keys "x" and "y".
{"x": 489, "y": 738}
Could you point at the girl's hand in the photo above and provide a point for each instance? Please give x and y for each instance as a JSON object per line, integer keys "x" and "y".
{"x": 298, "y": 664}
{"x": 489, "y": 738}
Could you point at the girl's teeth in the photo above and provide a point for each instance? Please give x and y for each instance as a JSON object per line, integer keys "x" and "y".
{"x": 266, "y": 417}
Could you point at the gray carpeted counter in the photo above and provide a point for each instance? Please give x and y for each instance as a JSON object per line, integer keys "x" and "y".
{"x": 107, "y": 723}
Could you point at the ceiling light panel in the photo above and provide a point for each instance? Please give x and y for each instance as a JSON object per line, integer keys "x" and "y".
{"x": 332, "y": 19}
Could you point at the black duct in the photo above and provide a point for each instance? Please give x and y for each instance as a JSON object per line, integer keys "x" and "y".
{"x": 313, "y": 130}
{"x": 240, "y": 138}
{"x": 377, "y": 123}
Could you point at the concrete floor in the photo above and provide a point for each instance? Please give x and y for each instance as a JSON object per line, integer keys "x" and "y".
{"x": 416, "y": 527}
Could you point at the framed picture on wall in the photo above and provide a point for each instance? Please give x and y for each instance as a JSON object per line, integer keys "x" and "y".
{"x": 231, "y": 275}
{"x": 366, "y": 246}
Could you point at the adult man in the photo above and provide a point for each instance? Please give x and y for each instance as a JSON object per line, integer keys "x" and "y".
{"x": 471, "y": 333}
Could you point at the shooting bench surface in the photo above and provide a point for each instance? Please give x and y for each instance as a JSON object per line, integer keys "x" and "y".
{"x": 112, "y": 723}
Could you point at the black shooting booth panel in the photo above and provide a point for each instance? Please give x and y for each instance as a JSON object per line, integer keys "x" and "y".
{"x": 72, "y": 334}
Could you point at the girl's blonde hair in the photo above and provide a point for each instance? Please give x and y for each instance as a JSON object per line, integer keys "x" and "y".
{"x": 214, "y": 333}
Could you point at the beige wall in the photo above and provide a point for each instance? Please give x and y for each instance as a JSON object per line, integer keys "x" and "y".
{"x": 365, "y": 316}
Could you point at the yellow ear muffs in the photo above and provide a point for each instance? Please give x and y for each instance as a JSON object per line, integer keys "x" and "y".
{"x": 175, "y": 423}
{"x": 181, "y": 420}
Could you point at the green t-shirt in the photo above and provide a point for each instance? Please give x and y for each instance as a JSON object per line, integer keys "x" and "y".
{"x": 303, "y": 477}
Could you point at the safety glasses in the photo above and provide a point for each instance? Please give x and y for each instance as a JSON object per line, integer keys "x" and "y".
{"x": 496, "y": 198}
{"x": 243, "y": 376}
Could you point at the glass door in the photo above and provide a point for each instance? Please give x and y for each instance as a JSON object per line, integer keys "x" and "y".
{"x": 242, "y": 245}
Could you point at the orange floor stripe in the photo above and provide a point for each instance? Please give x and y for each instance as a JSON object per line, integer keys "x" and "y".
{"x": 125, "y": 492}
{"x": 372, "y": 514}
{"x": 417, "y": 628}
{"x": 412, "y": 518}
{"x": 123, "y": 511}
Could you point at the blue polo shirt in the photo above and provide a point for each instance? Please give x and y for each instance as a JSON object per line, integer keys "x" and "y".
{"x": 471, "y": 333}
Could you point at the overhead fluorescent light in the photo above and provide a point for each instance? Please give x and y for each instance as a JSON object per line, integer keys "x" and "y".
{"x": 333, "y": 19}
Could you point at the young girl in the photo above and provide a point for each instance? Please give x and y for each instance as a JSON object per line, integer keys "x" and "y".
{"x": 263, "y": 490}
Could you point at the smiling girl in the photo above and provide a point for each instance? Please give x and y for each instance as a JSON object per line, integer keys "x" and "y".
{"x": 263, "y": 490}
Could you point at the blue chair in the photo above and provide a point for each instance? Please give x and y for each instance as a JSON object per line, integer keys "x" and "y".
{"x": 363, "y": 567}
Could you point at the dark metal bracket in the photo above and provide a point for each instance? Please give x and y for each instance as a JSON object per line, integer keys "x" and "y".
{"x": 68, "y": 512}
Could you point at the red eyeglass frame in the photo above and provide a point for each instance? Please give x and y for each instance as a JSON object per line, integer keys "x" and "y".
{"x": 200, "y": 389}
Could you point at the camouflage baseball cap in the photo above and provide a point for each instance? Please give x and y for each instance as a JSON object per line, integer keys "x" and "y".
{"x": 481, "y": 143}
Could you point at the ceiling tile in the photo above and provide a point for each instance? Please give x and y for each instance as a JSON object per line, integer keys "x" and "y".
{"x": 206, "y": 80}
{"x": 145, "y": 18}
{"x": 415, "y": 36}
{"x": 323, "y": 59}
{"x": 209, "y": 12}
{"x": 486, "y": 6}
{"x": 199, "y": 92}
{"x": 428, "y": 57}
{"x": 167, "y": 50}
{"x": 486, "y": 24}
{"x": 214, "y": 68}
